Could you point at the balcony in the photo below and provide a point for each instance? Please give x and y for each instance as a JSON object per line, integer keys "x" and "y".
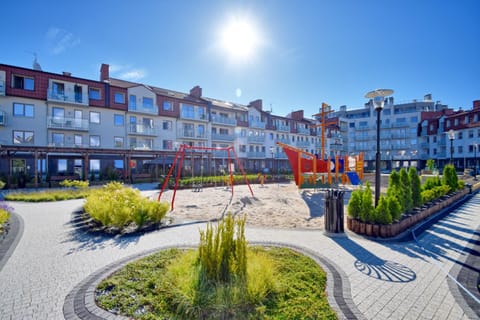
{"x": 362, "y": 137}
{"x": 283, "y": 128}
{"x": 384, "y": 126}
{"x": 216, "y": 119}
{"x": 303, "y": 130}
{"x": 73, "y": 98}
{"x": 220, "y": 154}
{"x": 140, "y": 129}
{"x": 257, "y": 155}
{"x": 256, "y": 139}
{"x": 400, "y": 124}
{"x": 68, "y": 123}
{"x": 190, "y": 134}
{"x": 2, "y": 88}
{"x": 302, "y": 144}
{"x": 424, "y": 145}
{"x": 223, "y": 137}
{"x": 197, "y": 116}
{"x": 257, "y": 124}
{"x": 362, "y": 128}
{"x": 141, "y": 145}
{"x": 280, "y": 155}
{"x": 285, "y": 141}
{"x": 143, "y": 109}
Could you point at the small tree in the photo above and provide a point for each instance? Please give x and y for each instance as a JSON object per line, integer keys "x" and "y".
{"x": 354, "y": 207}
{"x": 431, "y": 164}
{"x": 450, "y": 177}
{"x": 367, "y": 211}
{"x": 406, "y": 190}
{"x": 415, "y": 185}
{"x": 382, "y": 212}
{"x": 394, "y": 208}
{"x": 395, "y": 189}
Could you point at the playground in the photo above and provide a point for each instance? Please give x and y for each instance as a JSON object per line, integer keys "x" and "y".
{"x": 280, "y": 205}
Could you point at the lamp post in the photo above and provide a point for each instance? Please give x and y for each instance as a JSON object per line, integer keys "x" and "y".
{"x": 272, "y": 151}
{"x": 378, "y": 98}
{"x": 475, "y": 165}
{"x": 451, "y": 136}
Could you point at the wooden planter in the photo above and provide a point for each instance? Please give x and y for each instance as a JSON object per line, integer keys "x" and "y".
{"x": 409, "y": 220}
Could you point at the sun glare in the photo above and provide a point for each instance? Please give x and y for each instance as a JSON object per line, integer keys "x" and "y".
{"x": 239, "y": 39}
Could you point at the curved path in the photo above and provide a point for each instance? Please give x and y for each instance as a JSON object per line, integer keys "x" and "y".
{"x": 53, "y": 261}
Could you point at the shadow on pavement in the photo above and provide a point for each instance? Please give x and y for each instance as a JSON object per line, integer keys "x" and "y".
{"x": 375, "y": 267}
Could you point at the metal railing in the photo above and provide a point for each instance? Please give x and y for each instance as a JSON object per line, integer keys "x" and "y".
{"x": 142, "y": 109}
{"x": 223, "y": 137}
{"x": 257, "y": 124}
{"x": 256, "y": 139}
{"x": 224, "y": 120}
{"x": 68, "y": 123}
{"x": 141, "y": 129}
{"x": 255, "y": 154}
{"x": 75, "y": 98}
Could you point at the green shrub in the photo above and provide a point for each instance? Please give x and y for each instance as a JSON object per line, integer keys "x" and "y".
{"x": 74, "y": 184}
{"x": 450, "y": 177}
{"x": 368, "y": 210}
{"x": 427, "y": 195}
{"x": 395, "y": 189}
{"x": 461, "y": 184}
{"x": 431, "y": 183}
{"x": 394, "y": 208}
{"x": 430, "y": 164}
{"x": 416, "y": 186}
{"x": 118, "y": 206}
{"x": 354, "y": 207}
{"x": 382, "y": 212}
{"x": 407, "y": 203}
{"x": 49, "y": 195}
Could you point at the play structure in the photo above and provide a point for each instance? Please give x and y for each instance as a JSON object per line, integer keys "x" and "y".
{"x": 178, "y": 164}
{"x": 310, "y": 172}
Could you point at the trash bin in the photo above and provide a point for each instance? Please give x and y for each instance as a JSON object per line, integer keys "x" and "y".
{"x": 334, "y": 211}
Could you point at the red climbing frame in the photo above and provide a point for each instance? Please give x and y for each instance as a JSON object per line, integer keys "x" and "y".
{"x": 180, "y": 156}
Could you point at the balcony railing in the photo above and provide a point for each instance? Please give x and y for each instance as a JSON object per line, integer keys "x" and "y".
{"x": 302, "y": 144}
{"x": 191, "y": 134}
{"x": 142, "y": 109}
{"x": 74, "y": 98}
{"x": 68, "y": 123}
{"x": 2, "y": 87}
{"x": 363, "y": 128}
{"x": 362, "y": 137}
{"x": 3, "y": 118}
{"x": 219, "y": 153}
{"x": 194, "y": 116}
{"x": 223, "y": 137}
{"x": 283, "y": 128}
{"x": 280, "y": 155}
{"x": 224, "y": 120}
{"x": 257, "y": 124}
{"x": 286, "y": 141}
{"x": 141, "y": 129}
{"x": 254, "y": 154}
{"x": 400, "y": 124}
{"x": 256, "y": 139}
{"x": 139, "y": 145}
{"x": 302, "y": 130}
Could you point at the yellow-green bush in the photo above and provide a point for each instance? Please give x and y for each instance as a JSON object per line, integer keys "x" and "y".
{"x": 115, "y": 205}
{"x": 74, "y": 184}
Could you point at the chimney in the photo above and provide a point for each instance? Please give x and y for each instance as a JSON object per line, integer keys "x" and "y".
{"x": 297, "y": 115}
{"x": 104, "y": 72}
{"x": 257, "y": 104}
{"x": 196, "y": 92}
{"x": 476, "y": 104}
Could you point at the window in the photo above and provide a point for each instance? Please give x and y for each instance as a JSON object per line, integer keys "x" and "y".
{"x": 132, "y": 102}
{"x": 167, "y": 144}
{"x": 434, "y": 139}
{"x": 62, "y": 165}
{"x": 351, "y": 124}
{"x": 167, "y": 125}
{"x": 58, "y": 115}
{"x": 78, "y": 140}
{"x": 58, "y": 139}
{"x": 94, "y": 141}
{"x": 58, "y": 89}
{"x": 118, "y": 164}
{"x": 18, "y": 165}
{"x": 167, "y": 106}
{"x": 201, "y": 131}
{"x": 22, "y": 137}
{"x": 448, "y": 124}
{"x": 118, "y": 142}
{"x": 119, "y": 97}
{"x": 94, "y": 165}
{"x": 460, "y": 135}
{"x": 465, "y": 121}
{"x": 25, "y": 83}
{"x": 187, "y": 111}
{"x": 456, "y": 121}
{"x": 94, "y": 117}
{"x": 470, "y": 133}
{"x": 460, "y": 149}
{"x": 470, "y": 148}
{"x": 94, "y": 93}
{"x": 147, "y": 103}
{"x": 23, "y": 110}
{"x": 414, "y": 119}
{"x": 386, "y": 112}
{"x": 118, "y": 120}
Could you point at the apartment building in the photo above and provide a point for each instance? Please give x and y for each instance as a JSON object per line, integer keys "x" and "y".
{"x": 59, "y": 125}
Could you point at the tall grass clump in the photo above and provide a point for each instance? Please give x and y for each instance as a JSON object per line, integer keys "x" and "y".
{"x": 115, "y": 205}
{"x": 78, "y": 184}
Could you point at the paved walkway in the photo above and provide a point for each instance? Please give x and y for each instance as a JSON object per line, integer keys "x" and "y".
{"x": 389, "y": 280}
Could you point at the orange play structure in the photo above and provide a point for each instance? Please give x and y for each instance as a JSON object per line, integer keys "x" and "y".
{"x": 310, "y": 172}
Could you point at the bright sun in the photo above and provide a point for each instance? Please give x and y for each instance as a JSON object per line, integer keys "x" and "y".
{"x": 239, "y": 38}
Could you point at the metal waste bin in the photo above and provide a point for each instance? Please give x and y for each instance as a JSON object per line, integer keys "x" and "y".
{"x": 334, "y": 211}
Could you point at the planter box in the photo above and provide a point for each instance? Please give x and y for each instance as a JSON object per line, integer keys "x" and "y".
{"x": 408, "y": 220}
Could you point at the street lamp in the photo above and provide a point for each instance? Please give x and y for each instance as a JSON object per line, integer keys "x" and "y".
{"x": 378, "y": 98}
{"x": 451, "y": 136}
{"x": 475, "y": 161}
{"x": 272, "y": 151}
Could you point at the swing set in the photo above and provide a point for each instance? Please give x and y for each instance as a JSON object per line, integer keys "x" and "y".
{"x": 179, "y": 159}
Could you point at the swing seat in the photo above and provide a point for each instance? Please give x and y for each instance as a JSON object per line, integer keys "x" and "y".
{"x": 197, "y": 187}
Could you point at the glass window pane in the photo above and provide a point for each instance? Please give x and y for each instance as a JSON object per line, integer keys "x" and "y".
{"x": 147, "y": 102}
{"x": 29, "y": 84}
{"x": 94, "y": 117}
{"x": 118, "y": 119}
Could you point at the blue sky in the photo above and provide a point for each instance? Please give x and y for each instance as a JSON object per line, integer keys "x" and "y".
{"x": 307, "y": 52}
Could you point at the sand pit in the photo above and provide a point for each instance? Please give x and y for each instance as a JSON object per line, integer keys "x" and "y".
{"x": 276, "y": 205}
